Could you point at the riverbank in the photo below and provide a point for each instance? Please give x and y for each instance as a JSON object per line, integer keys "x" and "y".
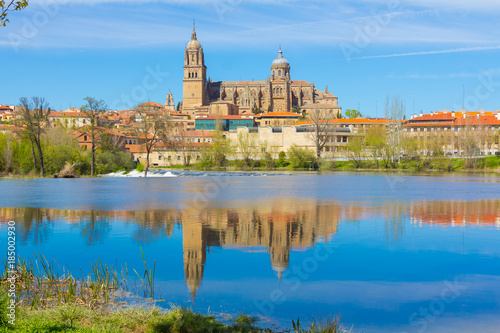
{"x": 78, "y": 318}
{"x": 489, "y": 164}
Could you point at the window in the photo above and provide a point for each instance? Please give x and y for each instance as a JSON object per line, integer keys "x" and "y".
{"x": 159, "y": 158}
{"x": 84, "y": 138}
{"x": 169, "y": 158}
{"x": 279, "y": 72}
{"x": 178, "y": 158}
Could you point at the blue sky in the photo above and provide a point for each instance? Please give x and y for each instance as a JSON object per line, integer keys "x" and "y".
{"x": 126, "y": 52}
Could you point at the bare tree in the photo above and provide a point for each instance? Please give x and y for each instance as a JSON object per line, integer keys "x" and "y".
{"x": 92, "y": 110}
{"x": 152, "y": 127}
{"x": 321, "y": 133}
{"x": 394, "y": 111}
{"x": 34, "y": 119}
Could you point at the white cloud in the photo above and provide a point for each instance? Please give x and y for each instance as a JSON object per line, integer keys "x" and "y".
{"x": 457, "y": 50}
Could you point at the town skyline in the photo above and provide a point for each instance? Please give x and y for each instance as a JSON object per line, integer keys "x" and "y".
{"x": 432, "y": 68}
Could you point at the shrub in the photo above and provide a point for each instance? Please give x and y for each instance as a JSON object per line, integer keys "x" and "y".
{"x": 301, "y": 158}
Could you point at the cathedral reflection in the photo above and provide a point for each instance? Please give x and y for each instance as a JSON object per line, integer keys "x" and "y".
{"x": 277, "y": 227}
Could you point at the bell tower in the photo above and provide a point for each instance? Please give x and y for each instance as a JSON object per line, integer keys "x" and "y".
{"x": 195, "y": 74}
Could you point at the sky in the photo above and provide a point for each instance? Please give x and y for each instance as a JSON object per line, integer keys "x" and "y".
{"x": 434, "y": 55}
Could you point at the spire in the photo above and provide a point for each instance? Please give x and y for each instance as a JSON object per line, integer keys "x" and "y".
{"x": 193, "y": 35}
{"x": 326, "y": 89}
{"x": 280, "y": 52}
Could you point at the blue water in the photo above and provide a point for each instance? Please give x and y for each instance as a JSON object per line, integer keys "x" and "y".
{"x": 389, "y": 253}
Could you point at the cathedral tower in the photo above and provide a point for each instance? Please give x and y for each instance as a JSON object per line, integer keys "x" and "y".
{"x": 195, "y": 74}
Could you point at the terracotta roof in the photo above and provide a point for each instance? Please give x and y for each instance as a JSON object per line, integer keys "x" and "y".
{"x": 447, "y": 118}
{"x": 152, "y": 104}
{"x": 278, "y": 114}
{"x": 136, "y": 148}
{"x": 5, "y": 108}
{"x": 300, "y": 82}
{"x": 66, "y": 113}
{"x": 198, "y": 133}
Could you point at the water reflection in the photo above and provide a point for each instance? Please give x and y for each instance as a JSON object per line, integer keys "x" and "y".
{"x": 455, "y": 213}
{"x": 277, "y": 227}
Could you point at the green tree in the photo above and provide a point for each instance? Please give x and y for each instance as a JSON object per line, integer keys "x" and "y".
{"x": 301, "y": 158}
{"x": 246, "y": 147}
{"x": 352, "y": 114}
{"x": 376, "y": 141}
{"x": 10, "y": 6}
{"x": 220, "y": 150}
{"x": 355, "y": 148}
{"x": 297, "y": 109}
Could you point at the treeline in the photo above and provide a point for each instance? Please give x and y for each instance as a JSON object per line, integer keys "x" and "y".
{"x": 58, "y": 148}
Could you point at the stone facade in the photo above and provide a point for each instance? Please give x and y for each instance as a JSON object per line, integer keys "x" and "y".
{"x": 278, "y": 93}
{"x": 277, "y": 139}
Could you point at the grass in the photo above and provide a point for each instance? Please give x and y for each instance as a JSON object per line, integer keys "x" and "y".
{"x": 51, "y": 299}
{"x": 80, "y": 318}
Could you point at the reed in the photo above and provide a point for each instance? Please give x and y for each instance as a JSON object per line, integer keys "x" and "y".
{"x": 148, "y": 278}
{"x": 43, "y": 283}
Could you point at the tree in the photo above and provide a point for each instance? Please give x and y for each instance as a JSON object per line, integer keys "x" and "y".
{"x": 296, "y": 108}
{"x": 179, "y": 139}
{"x": 355, "y": 148}
{"x": 247, "y": 148}
{"x": 394, "y": 111}
{"x": 302, "y": 158}
{"x": 92, "y": 110}
{"x": 268, "y": 154}
{"x": 352, "y": 114}
{"x": 178, "y": 106}
{"x": 321, "y": 132}
{"x": 10, "y": 6}
{"x": 376, "y": 141}
{"x": 151, "y": 129}
{"x": 34, "y": 119}
{"x": 220, "y": 150}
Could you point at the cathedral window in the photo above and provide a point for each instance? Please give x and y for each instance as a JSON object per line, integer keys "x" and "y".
{"x": 196, "y": 75}
{"x": 279, "y": 72}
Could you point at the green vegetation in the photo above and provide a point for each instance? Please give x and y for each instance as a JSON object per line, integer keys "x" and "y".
{"x": 10, "y": 6}
{"x": 352, "y": 114}
{"x": 53, "y": 301}
{"x": 301, "y": 158}
{"x": 18, "y": 158}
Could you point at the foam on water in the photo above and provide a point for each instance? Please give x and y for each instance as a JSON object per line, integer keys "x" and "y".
{"x": 182, "y": 173}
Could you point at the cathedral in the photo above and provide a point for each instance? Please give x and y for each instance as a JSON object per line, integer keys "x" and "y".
{"x": 278, "y": 93}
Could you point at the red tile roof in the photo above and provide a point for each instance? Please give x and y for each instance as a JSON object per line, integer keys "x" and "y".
{"x": 278, "y": 115}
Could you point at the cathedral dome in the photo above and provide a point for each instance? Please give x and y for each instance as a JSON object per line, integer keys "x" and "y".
{"x": 194, "y": 45}
{"x": 280, "y": 61}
